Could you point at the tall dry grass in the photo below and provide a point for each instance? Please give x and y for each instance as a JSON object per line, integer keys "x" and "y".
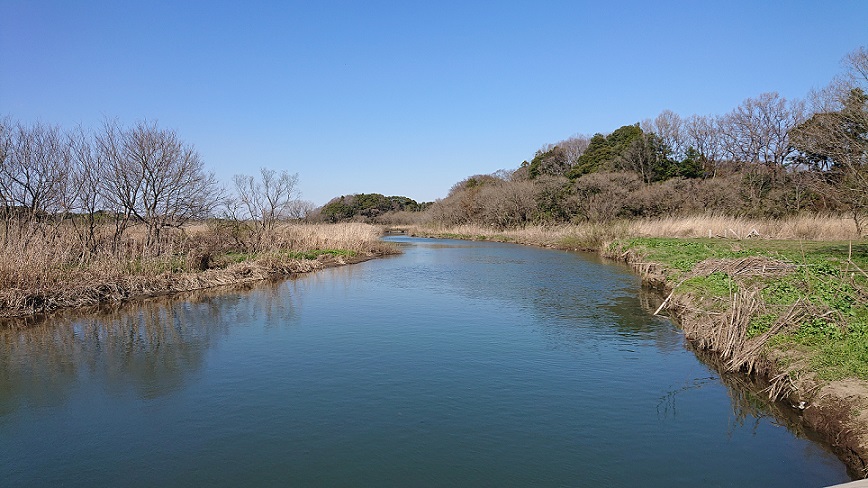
{"x": 353, "y": 236}
{"x": 805, "y": 227}
{"x": 580, "y": 236}
{"x": 591, "y": 236}
{"x": 46, "y": 268}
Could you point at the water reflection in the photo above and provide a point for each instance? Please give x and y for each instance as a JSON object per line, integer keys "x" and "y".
{"x": 148, "y": 347}
{"x": 633, "y": 317}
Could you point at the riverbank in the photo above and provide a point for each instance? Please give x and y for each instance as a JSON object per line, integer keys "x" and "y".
{"x": 46, "y": 276}
{"x": 786, "y": 312}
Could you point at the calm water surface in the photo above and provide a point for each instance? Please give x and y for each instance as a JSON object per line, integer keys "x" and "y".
{"x": 454, "y": 364}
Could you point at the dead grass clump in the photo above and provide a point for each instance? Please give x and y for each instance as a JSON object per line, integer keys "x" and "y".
{"x": 749, "y": 266}
{"x": 594, "y": 235}
{"x": 727, "y": 333}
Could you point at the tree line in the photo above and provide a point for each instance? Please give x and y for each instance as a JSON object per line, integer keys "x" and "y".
{"x": 768, "y": 157}
{"x": 102, "y": 183}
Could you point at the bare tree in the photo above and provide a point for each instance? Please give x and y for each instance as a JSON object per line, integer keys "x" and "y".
{"x": 641, "y": 157}
{"x": 831, "y": 97}
{"x": 120, "y": 180}
{"x": 301, "y": 209}
{"x": 33, "y": 180}
{"x": 834, "y": 141}
{"x": 509, "y": 204}
{"x": 268, "y": 199}
{"x": 86, "y": 178}
{"x": 5, "y": 183}
{"x": 35, "y": 169}
{"x": 703, "y": 133}
{"x": 757, "y": 130}
{"x": 574, "y": 147}
{"x": 155, "y": 178}
{"x": 669, "y": 128}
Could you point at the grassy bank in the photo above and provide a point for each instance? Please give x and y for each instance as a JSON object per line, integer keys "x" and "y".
{"x": 783, "y": 301}
{"x": 43, "y": 274}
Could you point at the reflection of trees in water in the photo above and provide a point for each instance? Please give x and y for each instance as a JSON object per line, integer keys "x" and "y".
{"x": 35, "y": 366}
{"x": 148, "y": 346}
{"x": 344, "y": 277}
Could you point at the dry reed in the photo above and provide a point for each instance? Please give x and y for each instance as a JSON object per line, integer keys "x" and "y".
{"x": 807, "y": 227}
{"x": 49, "y": 270}
{"x": 590, "y": 235}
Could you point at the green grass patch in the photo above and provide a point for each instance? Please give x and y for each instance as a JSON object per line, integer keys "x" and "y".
{"x": 157, "y": 265}
{"x": 238, "y": 257}
{"x": 825, "y": 276}
{"x": 682, "y": 254}
{"x": 833, "y": 355}
{"x": 588, "y": 243}
{"x": 716, "y": 284}
{"x": 315, "y": 253}
{"x": 785, "y": 290}
{"x": 761, "y": 324}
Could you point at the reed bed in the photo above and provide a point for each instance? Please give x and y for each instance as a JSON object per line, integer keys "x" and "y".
{"x": 806, "y": 227}
{"x": 592, "y": 236}
{"x": 358, "y": 237}
{"x": 42, "y": 271}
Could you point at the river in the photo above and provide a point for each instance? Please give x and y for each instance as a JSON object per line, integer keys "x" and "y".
{"x": 453, "y": 364}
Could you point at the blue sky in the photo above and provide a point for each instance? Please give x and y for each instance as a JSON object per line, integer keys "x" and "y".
{"x": 404, "y": 98}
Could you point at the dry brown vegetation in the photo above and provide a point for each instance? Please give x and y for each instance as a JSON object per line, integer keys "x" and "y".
{"x": 58, "y": 270}
{"x": 119, "y": 212}
{"x": 589, "y": 236}
{"x": 768, "y": 158}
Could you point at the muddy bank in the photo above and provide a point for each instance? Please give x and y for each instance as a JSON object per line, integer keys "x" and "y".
{"x": 23, "y": 307}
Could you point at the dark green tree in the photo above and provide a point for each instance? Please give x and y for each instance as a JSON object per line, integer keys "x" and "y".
{"x": 552, "y": 161}
{"x": 604, "y": 151}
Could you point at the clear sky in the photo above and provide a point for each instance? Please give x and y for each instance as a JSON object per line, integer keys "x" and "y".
{"x": 404, "y": 97}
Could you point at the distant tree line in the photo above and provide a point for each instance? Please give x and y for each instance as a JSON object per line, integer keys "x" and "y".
{"x": 768, "y": 157}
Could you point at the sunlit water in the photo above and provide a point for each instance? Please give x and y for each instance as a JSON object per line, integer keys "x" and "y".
{"x": 454, "y": 364}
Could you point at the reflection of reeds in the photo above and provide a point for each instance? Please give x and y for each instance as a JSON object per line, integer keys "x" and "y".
{"x": 748, "y": 398}
{"x": 46, "y": 268}
{"x": 827, "y": 424}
